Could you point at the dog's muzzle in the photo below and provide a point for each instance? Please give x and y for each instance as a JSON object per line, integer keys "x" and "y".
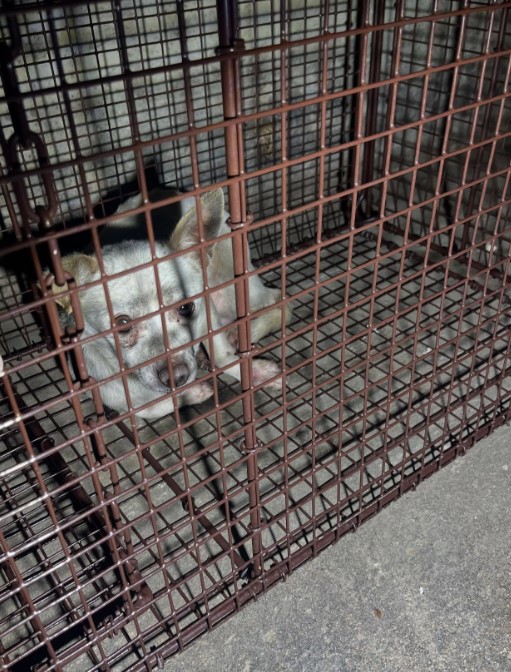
{"x": 181, "y": 373}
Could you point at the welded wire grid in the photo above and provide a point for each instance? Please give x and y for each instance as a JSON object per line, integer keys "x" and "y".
{"x": 376, "y": 165}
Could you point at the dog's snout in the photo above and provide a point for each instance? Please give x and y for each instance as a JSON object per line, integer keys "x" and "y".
{"x": 181, "y": 374}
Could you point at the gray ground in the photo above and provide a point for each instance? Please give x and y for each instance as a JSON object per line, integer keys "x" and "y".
{"x": 424, "y": 586}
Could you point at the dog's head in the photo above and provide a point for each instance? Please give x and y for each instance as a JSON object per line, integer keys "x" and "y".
{"x": 154, "y": 310}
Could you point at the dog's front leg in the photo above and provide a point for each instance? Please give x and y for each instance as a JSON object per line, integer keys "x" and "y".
{"x": 263, "y": 370}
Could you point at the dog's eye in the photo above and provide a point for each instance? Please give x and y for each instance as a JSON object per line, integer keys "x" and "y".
{"x": 186, "y": 310}
{"x": 124, "y": 322}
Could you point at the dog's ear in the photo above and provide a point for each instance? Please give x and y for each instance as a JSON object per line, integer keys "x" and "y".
{"x": 82, "y": 267}
{"x": 186, "y": 232}
{"x": 130, "y": 204}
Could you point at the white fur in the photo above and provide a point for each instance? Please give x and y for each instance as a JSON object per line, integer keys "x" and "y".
{"x": 135, "y": 295}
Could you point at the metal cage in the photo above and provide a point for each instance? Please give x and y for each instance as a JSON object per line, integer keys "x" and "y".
{"x": 364, "y": 150}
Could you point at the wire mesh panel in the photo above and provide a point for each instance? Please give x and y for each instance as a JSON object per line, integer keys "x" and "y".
{"x": 187, "y": 418}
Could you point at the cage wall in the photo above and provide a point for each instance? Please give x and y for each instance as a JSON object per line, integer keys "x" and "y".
{"x": 364, "y": 152}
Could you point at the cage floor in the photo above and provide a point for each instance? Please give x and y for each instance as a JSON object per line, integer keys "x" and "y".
{"x": 390, "y": 364}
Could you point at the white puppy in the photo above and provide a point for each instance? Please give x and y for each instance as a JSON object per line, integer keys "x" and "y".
{"x": 144, "y": 334}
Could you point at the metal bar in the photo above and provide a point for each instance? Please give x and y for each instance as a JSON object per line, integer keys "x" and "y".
{"x": 228, "y": 42}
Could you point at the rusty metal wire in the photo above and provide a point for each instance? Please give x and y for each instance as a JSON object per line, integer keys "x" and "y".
{"x": 364, "y": 149}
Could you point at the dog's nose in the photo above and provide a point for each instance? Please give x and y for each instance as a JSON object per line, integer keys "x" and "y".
{"x": 181, "y": 374}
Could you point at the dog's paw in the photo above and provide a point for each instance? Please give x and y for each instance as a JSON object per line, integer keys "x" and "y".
{"x": 202, "y": 358}
{"x": 232, "y": 338}
{"x": 264, "y": 370}
{"x": 198, "y": 393}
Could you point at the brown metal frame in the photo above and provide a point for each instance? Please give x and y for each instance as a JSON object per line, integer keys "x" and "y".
{"x": 364, "y": 150}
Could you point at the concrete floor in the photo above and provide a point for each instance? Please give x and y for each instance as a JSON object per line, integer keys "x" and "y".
{"x": 425, "y": 586}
